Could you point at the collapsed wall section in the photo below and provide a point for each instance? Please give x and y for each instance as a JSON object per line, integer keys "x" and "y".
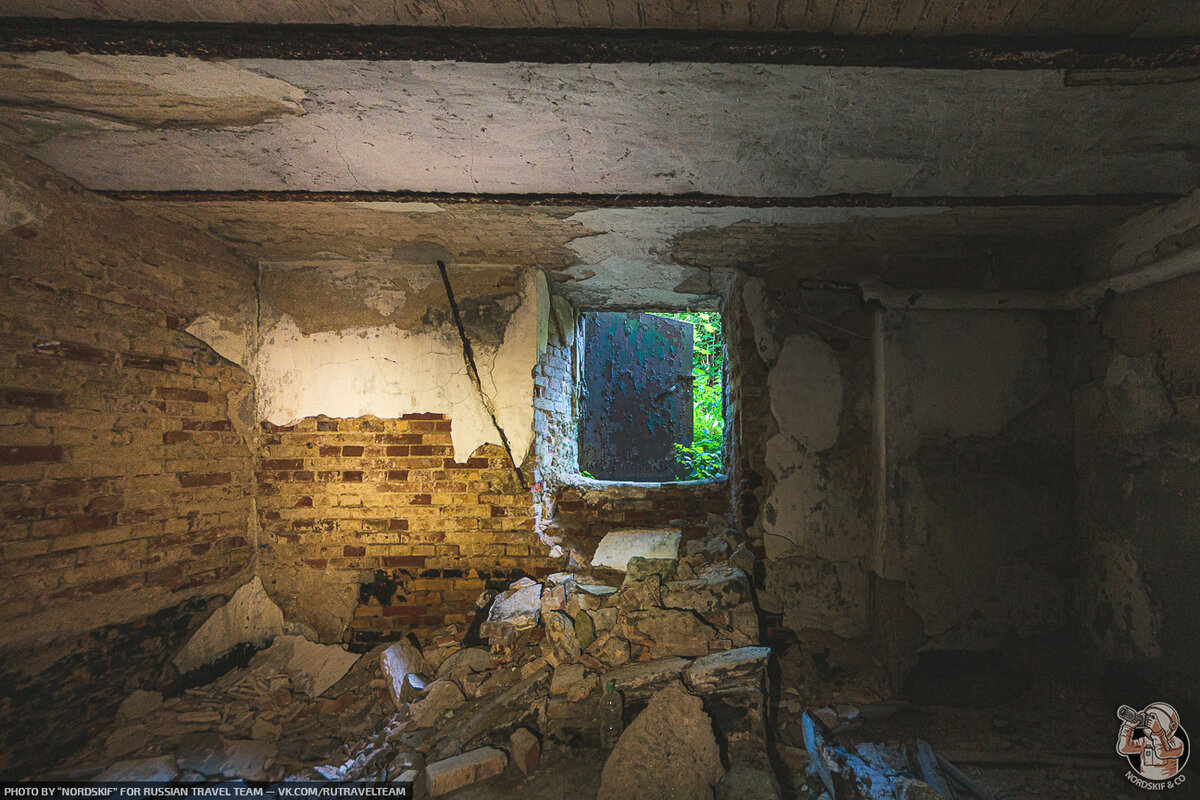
{"x": 126, "y": 464}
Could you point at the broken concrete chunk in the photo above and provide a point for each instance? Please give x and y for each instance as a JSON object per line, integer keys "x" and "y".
{"x": 454, "y": 773}
{"x": 525, "y": 750}
{"x": 250, "y": 617}
{"x": 564, "y": 676}
{"x": 646, "y": 593}
{"x": 519, "y": 606}
{"x": 312, "y": 667}
{"x": 668, "y": 753}
{"x": 610, "y": 650}
{"x": 560, "y": 631}
{"x": 616, "y": 548}
{"x": 162, "y": 768}
{"x": 667, "y": 632}
{"x": 640, "y": 568}
{"x": 711, "y": 590}
{"x": 139, "y": 704}
{"x": 646, "y": 674}
{"x": 573, "y": 680}
{"x": 585, "y": 629}
{"x": 743, "y": 559}
{"x": 730, "y": 666}
{"x": 597, "y": 589}
{"x": 464, "y": 662}
{"x": 442, "y": 695}
{"x": 605, "y": 619}
{"x": 403, "y": 668}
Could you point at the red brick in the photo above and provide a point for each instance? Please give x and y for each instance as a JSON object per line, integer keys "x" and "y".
{"x": 28, "y": 398}
{"x": 190, "y": 480}
{"x": 304, "y": 502}
{"x": 29, "y": 454}
{"x": 161, "y": 363}
{"x": 397, "y": 524}
{"x": 176, "y": 437}
{"x": 351, "y": 551}
{"x": 421, "y": 500}
{"x": 352, "y": 476}
{"x": 73, "y": 351}
{"x": 352, "y": 450}
{"x": 399, "y": 475}
{"x": 404, "y": 561}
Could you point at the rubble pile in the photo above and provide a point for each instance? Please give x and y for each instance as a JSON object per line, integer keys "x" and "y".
{"x": 667, "y": 629}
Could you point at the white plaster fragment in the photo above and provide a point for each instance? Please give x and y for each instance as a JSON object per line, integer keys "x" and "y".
{"x": 249, "y": 617}
{"x": 232, "y": 338}
{"x": 617, "y": 547}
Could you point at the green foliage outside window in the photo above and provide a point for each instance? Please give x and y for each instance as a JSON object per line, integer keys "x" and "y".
{"x": 702, "y": 457}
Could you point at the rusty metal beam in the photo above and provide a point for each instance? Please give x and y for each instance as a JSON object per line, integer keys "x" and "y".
{"x": 577, "y": 45}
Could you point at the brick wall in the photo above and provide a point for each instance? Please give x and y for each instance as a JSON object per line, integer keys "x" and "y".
{"x": 748, "y": 419}
{"x": 385, "y": 500}
{"x": 586, "y": 511}
{"x": 125, "y": 488}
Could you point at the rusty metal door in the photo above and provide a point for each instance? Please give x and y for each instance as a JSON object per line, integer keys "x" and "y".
{"x": 636, "y": 396}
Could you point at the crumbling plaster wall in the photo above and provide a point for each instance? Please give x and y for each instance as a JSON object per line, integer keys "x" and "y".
{"x": 382, "y": 463}
{"x": 917, "y": 458}
{"x": 1137, "y": 454}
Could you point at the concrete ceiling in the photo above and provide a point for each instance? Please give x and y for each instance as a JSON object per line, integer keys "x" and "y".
{"x": 744, "y": 130}
{"x": 971, "y": 177}
{"x": 842, "y": 17}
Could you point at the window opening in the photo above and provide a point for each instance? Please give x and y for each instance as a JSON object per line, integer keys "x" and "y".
{"x": 651, "y": 396}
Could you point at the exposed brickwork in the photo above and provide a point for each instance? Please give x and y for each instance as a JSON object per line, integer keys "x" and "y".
{"x": 586, "y": 514}
{"x": 124, "y": 487}
{"x": 101, "y": 668}
{"x": 385, "y": 498}
{"x": 749, "y": 423}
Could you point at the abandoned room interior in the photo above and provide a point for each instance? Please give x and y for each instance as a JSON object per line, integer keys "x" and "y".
{"x": 558, "y": 399}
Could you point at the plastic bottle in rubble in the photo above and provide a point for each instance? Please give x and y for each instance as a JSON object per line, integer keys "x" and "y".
{"x": 612, "y": 717}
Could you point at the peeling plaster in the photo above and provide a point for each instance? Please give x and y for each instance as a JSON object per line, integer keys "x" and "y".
{"x": 806, "y": 390}
{"x": 232, "y": 337}
{"x": 141, "y": 91}
{"x": 387, "y": 371}
{"x": 749, "y": 130}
